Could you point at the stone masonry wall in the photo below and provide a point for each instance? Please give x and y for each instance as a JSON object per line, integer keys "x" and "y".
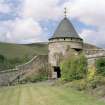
{"x": 58, "y": 49}
{"x": 94, "y": 54}
{"x": 12, "y": 76}
{"x": 20, "y": 72}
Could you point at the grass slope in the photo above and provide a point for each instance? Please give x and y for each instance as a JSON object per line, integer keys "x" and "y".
{"x": 44, "y": 94}
{"x": 39, "y": 48}
{"x": 20, "y": 51}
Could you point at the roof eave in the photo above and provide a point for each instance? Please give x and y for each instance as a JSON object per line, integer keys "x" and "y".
{"x": 64, "y": 37}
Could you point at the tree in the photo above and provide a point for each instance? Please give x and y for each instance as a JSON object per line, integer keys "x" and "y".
{"x": 2, "y": 58}
{"x": 100, "y": 66}
{"x": 74, "y": 67}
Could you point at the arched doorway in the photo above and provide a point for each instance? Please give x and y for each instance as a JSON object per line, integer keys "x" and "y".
{"x": 58, "y": 71}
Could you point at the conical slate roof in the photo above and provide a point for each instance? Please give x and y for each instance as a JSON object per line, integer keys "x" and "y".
{"x": 65, "y": 29}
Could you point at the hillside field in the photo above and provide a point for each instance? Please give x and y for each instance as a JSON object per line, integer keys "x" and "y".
{"x": 12, "y": 51}
{"x": 21, "y": 50}
{"x": 17, "y": 54}
{"x": 44, "y": 94}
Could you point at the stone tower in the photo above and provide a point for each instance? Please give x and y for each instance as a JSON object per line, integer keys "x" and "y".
{"x": 64, "y": 38}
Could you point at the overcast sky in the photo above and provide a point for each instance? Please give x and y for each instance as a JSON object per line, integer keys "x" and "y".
{"x": 26, "y": 21}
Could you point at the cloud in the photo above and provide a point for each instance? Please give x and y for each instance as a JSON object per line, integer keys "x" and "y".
{"x": 94, "y": 37}
{"x": 84, "y": 11}
{"x": 89, "y": 12}
{"x": 21, "y": 30}
{"x": 4, "y": 8}
{"x": 26, "y": 26}
{"x": 46, "y": 9}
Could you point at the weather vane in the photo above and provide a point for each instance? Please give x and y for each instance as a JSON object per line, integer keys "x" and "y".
{"x": 65, "y": 12}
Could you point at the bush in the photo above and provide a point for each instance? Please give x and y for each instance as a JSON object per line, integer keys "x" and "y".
{"x": 100, "y": 91}
{"x": 91, "y": 73}
{"x": 39, "y": 75}
{"x": 4, "y": 63}
{"x": 96, "y": 81}
{"x": 2, "y": 59}
{"x": 79, "y": 84}
{"x": 84, "y": 84}
{"x": 100, "y": 66}
{"x": 74, "y": 68}
{"x": 36, "y": 78}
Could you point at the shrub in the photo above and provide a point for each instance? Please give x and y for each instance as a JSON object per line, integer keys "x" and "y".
{"x": 79, "y": 84}
{"x": 39, "y": 75}
{"x": 36, "y": 77}
{"x": 96, "y": 82}
{"x": 100, "y": 66}
{"x": 4, "y": 63}
{"x": 91, "y": 73}
{"x": 2, "y": 58}
{"x": 74, "y": 68}
{"x": 100, "y": 91}
{"x": 84, "y": 84}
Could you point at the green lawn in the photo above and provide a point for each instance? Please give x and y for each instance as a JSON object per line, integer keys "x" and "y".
{"x": 44, "y": 94}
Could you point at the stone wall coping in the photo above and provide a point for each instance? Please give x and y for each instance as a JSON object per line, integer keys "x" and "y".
{"x": 9, "y": 70}
{"x": 65, "y": 41}
{"x": 95, "y": 55}
{"x": 27, "y": 62}
{"x": 94, "y": 49}
{"x": 30, "y": 61}
{"x": 17, "y": 67}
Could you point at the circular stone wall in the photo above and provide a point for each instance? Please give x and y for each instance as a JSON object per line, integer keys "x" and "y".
{"x": 59, "y": 47}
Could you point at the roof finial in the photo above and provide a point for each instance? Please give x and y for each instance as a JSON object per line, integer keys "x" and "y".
{"x": 65, "y": 12}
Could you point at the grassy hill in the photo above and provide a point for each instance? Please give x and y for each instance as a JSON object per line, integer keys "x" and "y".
{"x": 19, "y": 51}
{"x": 16, "y": 54}
{"x": 90, "y": 46}
{"x": 45, "y": 94}
{"x": 39, "y": 48}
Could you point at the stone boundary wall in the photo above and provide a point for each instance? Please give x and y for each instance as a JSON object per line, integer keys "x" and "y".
{"x": 94, "y": 51}
{"x": 12, "y": 76}
{"x": 92, "y": 55}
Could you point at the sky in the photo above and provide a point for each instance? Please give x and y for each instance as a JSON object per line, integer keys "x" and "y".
{"x": 30, "y": 21}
